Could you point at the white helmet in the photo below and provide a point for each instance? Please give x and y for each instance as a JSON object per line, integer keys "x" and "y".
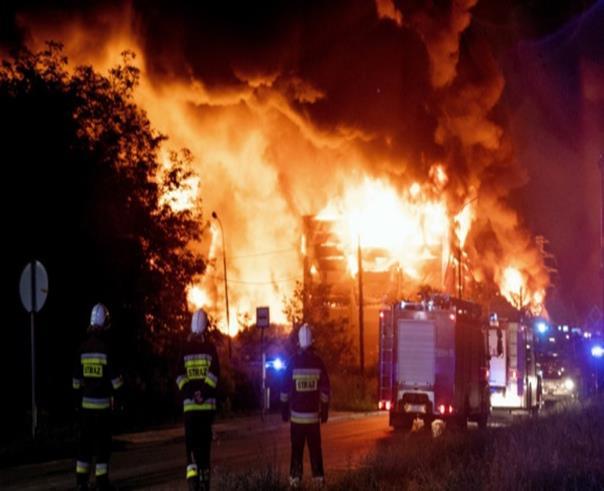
{"x": 99, "y": 317}
{"x": 199, "y": 322}
{"x": 304, "y": 336}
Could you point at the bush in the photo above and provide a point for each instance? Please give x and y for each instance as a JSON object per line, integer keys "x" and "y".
{"x": 351, "y": 392}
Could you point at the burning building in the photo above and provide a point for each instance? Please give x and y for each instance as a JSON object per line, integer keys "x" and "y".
{"x": 328, "y": 266}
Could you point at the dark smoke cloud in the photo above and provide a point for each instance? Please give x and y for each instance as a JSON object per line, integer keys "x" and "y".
{"x": 556, "y": 90}
{"x": 373, "y": 74}
{"x": 377, "y": 76}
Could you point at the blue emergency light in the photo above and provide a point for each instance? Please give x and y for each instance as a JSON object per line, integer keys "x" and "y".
{"x": 276, "y": 364}
{"x": 597, "y": 351}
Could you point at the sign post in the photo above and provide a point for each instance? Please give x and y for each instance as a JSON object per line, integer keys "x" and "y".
{"x": 33, "y": 289}
{"x": 262, "y": 322}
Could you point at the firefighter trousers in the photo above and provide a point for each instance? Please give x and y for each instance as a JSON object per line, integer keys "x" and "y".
{"x": 94, "y": 442}
{"x": 300, "y": 434}
{"x": 198, "y": 438}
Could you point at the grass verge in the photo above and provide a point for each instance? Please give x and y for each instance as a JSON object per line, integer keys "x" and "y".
{"x": 563, "y": 450}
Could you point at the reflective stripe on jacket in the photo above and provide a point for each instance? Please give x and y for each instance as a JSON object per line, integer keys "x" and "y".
{"x": 305, "y": 387}
{"x": 199, "y": 372}
{"x": 96, "y": 375}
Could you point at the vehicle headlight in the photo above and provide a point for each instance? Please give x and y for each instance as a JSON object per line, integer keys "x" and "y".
{"x": 569, "y": 384}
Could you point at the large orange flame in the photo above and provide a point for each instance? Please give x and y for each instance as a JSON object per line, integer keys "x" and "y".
{"x": 410, "y": 227}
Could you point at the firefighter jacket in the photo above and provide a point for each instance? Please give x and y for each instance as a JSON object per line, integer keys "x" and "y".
{"x": 96, "y": 375}
{"x": 305, "y": 393}
{"x": 199, "y": 371}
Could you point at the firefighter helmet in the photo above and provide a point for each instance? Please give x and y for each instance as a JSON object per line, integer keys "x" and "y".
{"x": 199, "y": 322}
{"x": 100, "y": 317}
{"x": 304, "y": 336}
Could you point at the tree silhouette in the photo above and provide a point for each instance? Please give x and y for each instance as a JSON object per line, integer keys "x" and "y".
{"x": 82, "y": 193}
{"x": 333, "y": 335}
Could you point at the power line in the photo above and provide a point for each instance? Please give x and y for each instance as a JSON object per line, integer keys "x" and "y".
{"x": 243, "y": 282}
{"x": 267, "y": 253}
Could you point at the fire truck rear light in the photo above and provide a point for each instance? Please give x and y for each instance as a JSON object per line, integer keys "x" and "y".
{"x": 384, "y": 405}
{"x": 445, "y": 409}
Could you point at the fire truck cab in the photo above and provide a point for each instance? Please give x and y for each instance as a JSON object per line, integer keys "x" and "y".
{"x": 514, "y": 381}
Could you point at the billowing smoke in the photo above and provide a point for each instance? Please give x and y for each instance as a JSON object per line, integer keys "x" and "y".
{"x": 286, "y": 104}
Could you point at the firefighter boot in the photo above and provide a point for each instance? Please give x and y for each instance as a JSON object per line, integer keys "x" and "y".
{"x": 103, "y": 484}
{"x": 192, "y": 477}
{"x": 204, "y": 480}
{"x": 82, "y": 475}
{"x": 318, "y": 482}
{"x": 102, "y": 477}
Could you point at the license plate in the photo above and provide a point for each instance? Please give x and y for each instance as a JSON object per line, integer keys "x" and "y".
{"x": 415, "y": 408}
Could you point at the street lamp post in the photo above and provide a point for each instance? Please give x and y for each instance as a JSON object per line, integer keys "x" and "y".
{"x": 361, "y": 307}
{"x": 226, "y": 284}
{"x": 601, "y": 166}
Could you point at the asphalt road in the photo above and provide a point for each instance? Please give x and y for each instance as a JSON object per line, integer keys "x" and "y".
{"x": 156, "y": 460}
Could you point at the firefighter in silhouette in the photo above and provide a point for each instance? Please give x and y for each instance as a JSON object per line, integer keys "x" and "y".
{"x": 305, "y": 402}
{"x": 97, "y": 381}
{"x": 199, "y": 370}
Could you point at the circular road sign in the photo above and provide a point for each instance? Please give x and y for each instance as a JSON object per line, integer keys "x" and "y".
{"x": 33, "y": 286}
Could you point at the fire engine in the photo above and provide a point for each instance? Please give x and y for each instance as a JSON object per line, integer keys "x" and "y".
{"x": 433, "y": 362}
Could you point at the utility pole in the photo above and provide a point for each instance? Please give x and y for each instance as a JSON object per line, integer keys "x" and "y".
{"x": 459, "y": 272}
{"x": 226, "y": 285}
{"x": 361, "y": 320}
